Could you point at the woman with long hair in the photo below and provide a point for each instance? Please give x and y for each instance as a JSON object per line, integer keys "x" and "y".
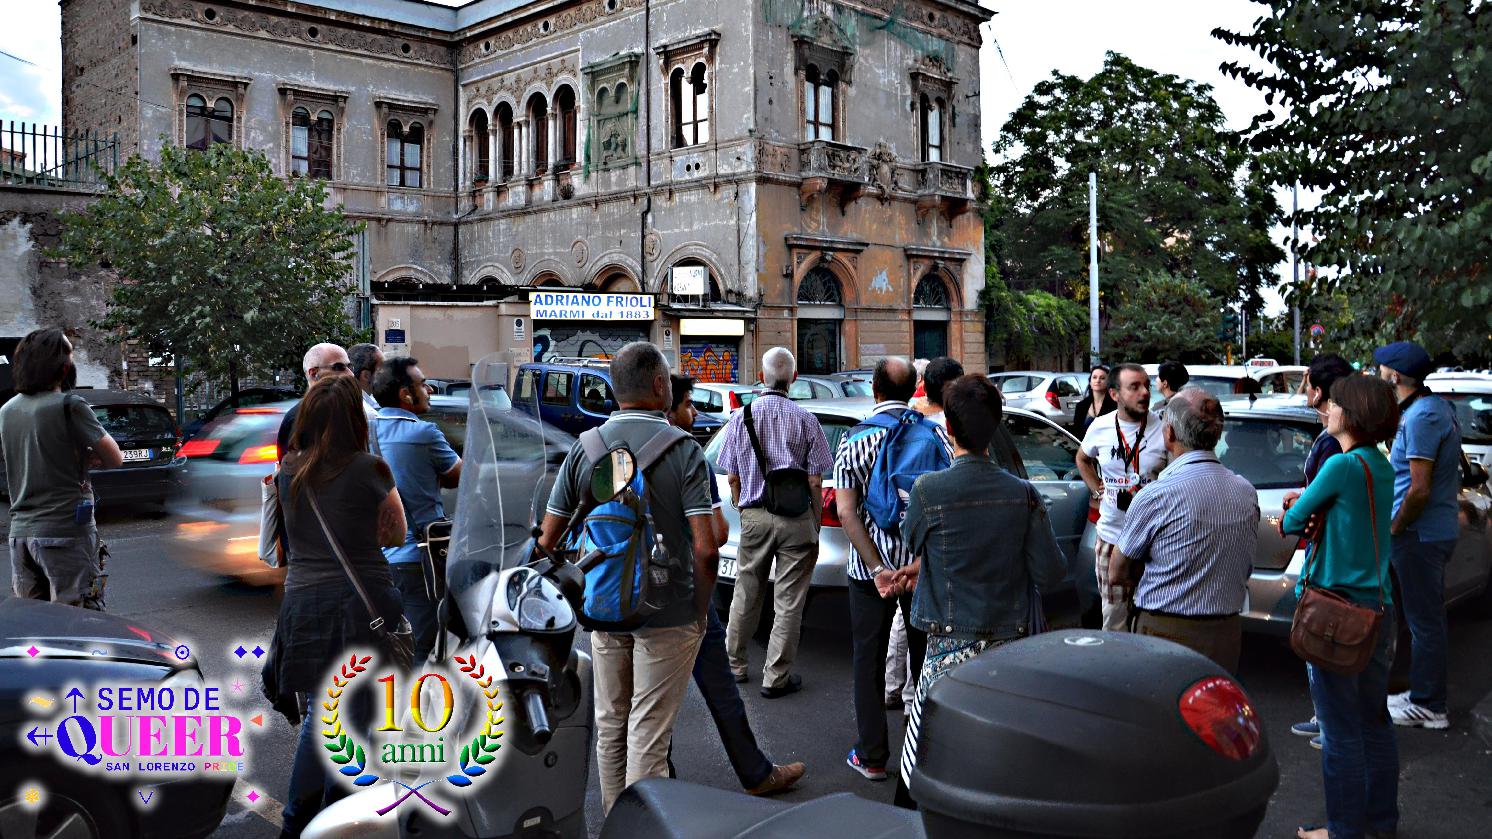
{"x": 1095, "y": 403}
{"x": 1352, "y": 498}
{"x": 322, "y": 614}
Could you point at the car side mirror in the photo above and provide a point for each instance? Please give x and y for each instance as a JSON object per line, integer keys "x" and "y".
{"x": 1473, "y": 474}
{"x": 612, "y": 475}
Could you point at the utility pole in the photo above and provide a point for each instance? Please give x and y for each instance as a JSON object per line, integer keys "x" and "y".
{"x": 1295, "y": 266}
{"x": 1092, "y": 268}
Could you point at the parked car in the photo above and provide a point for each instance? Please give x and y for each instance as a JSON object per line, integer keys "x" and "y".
{"x": 1053, "y": 395}
{"x": 574, "y": 395}
{"x": 147, "y": 437}
{"x": 1220, "y": 380}
{"x": 449, "y": 387}
{"x": 835, "y": 386}
{"x": 81, "y": 647}
{"x": 1471, "y": 395}
{"x": 721, "y": 400}
{"x": 1030, "y": 445}
{"x": 247, "y": 398}
{"x": 1286, "y": 379}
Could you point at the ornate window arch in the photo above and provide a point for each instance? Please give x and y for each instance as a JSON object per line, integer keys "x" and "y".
{"x": 567, "y": 123}
{"x": 820, "y": 287}
{"x": 481, "y": 146}
{"x": 932, "y": 293}
{"x": 538, "y": 126}
{"x": 505, "y": 148}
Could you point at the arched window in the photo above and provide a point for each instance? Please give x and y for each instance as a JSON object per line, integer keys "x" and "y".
{"x": 505, "y": 141}
{"x": 311, "y": 143}
{"x": 932, "y": 128}
{"x": 404, "y": 154}
{"x": 820, "y": 287}
{"x": 205, "y": 126}
{"x": 931, "y": 293}
{"x": 931, "y": 313}
{"x": 567, "y": 125}
{"x": 481, "y": 148}
{"x": 820, "y": 313}
{"x": 818, "y": 103}
{"x": 690, "y": 99}
{"x": 538, "y": 123}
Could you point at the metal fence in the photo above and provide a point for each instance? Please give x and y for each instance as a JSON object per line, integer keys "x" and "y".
{"x": 43, "y": 155}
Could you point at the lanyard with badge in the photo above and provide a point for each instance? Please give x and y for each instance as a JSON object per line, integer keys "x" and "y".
{"x": 1130, "y": 457}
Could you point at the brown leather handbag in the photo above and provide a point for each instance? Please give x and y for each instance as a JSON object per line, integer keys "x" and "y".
{"x": 1329, "y": 630}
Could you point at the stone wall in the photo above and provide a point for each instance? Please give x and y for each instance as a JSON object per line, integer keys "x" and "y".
{"x": 100, "y": 70}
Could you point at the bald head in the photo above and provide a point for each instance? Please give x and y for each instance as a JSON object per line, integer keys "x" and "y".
{"x": 1195, "y": 419}
{"x": 895, "y": 380}
{"x": 320, "y": 359}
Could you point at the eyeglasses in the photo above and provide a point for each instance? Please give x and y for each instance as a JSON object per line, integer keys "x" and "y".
{"x": 340, "y": 367}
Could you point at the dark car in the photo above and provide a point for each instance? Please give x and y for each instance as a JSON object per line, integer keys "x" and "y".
{"x": 247, "y": 398}
{"x": 147, "y": 437}
{"x": 574, "y": 395}
{"x": 79, "y": 647}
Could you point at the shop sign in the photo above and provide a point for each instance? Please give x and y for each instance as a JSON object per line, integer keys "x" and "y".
{"x": 393, "y": 336}
{"x": 714, "y": 327}
{"x": 580, "y": 305}
{"x": 689, "y": 280}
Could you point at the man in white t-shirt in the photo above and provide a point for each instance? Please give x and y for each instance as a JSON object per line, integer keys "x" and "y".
{"x": 1121, "y": 452}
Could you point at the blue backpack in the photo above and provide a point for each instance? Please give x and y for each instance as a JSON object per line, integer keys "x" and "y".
{"x": 910, "y": 449}
{"x": 629, "y": 574}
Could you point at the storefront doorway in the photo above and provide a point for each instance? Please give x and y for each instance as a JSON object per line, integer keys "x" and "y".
{"x": 931, "y": 314}
{"x": 820, "y": 316}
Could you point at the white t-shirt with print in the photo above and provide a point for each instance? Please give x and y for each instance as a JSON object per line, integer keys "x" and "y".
{"x": 1101, "y": 443}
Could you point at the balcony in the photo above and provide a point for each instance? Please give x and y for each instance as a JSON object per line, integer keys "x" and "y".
{"x": 834, "y": 168}
{"x": 946, "y": 187}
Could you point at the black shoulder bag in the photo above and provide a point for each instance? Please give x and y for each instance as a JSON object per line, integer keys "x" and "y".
{"x": 397, "y": 644}
{"x": 787, "y": 492}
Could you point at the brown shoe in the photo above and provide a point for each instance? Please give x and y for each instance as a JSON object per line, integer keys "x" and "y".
{"x": 781, "y": 779}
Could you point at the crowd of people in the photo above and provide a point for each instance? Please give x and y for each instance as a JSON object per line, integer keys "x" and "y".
{"x": 949, "y": 551}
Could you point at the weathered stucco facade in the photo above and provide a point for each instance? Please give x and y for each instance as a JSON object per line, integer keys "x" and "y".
{"x": 596, "y": 145}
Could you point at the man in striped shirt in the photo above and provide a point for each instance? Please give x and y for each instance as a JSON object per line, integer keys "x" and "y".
{"x": 875, "y": 557}
{"x": 1195, "y": 530}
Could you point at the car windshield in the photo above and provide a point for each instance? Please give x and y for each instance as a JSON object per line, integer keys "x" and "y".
{"x": 1474, "y": 415}
{"x": 856, "y": 387}
{"x": 1216, "y": 385}
{"x": 134, "y": 421}
{"x": 1270, "y": 453}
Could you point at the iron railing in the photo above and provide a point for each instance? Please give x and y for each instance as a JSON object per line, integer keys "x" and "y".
{"x": 45, "y": 155}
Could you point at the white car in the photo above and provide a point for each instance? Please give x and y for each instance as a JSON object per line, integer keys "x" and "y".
{"x": 1471, "y": 395}
{"x": 1053, "y": 395}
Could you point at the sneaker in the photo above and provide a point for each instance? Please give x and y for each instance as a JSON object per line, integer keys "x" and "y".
{"x": 1306, "y": 729}
{"x": 1316, "y": 742}
{"x": 873, "y": 773}
{"x": 1415, "y": 716}
{"x": 781, "y": 778}
{"x": 1398, "y": 700}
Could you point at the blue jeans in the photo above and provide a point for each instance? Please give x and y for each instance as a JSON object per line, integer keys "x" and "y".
{"x": 313, "y": 786}
{"x": 717, "y": 684}
{"x": 1420, "y": 567}
{"x": 1359, "y": 756}
{"x": 409, "y": 579}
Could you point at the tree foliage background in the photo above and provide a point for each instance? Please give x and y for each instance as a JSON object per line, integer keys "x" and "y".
{"x": 1385, "y": 108}
{"x": 222, "y": 262}
{"x": 1178, "y": 195}
{"x": 1166, "y": 317}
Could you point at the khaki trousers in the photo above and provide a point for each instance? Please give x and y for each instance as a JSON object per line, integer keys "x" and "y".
{"x": 1220, "y": 639}
{"x": 1110, "y": 595}
{"x": 640, "y": 679}
{"x": 794, "y": 543}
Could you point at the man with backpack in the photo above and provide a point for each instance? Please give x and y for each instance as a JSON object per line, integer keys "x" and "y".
{"x": 877, "y": 462}
{"x": 775, "y": 454}
{"x": 641, "y": 674}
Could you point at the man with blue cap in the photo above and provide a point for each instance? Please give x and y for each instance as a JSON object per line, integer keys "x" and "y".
{"x": 1426, "y": 457}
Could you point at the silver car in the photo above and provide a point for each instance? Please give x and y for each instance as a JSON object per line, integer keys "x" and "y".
{"x": 1033, "y": 447}
{"x": 1471, "y": 395}
{"x": 833, "y": 386}
{"x": 1053, "y": 395}
{"x": 722, "y": 400}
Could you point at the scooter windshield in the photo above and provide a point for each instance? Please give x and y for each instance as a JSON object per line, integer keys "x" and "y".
{"x": 510, "y": 461}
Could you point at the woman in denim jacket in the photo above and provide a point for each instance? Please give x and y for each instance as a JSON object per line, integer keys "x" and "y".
{"x": 984, "y": 547}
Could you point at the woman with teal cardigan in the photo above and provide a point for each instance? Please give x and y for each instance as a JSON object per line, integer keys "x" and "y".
{"x": 1351, "y": 501}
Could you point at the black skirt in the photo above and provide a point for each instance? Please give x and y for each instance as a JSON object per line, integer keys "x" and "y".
{"x": 318, "y": 626}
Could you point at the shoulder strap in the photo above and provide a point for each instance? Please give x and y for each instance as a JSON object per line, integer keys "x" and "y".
{"x": 1373, "y": 513}
{"x": 593, "y": 444}
{"x": 756, "y": 443}
{"x": 654, "y": 449}
{"x": 377, "y": 623}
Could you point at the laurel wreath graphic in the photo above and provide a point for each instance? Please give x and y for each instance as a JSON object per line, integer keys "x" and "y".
{"x": 344, "y": 749}
{"x": 480, "y": 751}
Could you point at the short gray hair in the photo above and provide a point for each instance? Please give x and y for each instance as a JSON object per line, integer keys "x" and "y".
{"x": 316, "y": 355}
{"x": 778, "y": 367}
{"x": 1196, "y": 418}
{"x": 634, "y": 369}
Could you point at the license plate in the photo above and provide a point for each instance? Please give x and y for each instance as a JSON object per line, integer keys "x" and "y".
{"x": 135, "y": 454}
{"x": 728, "y": 568}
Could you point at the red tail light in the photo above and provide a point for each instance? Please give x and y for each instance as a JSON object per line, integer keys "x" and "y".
{"x": 260, "y": 454}
{"x": 735, "y": 400}
{"x": 1218, "y": 711}
{"x": 199, "y": 448}
{"x": 1051, "y": 399}
{"x": 258, "y": 411}
{"x": 830, "y": 517}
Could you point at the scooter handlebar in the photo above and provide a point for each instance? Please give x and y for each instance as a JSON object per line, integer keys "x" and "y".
{"x": 538, "y": 718}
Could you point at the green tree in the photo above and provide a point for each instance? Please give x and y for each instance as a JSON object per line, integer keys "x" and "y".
{"x": 1177, "y": 194}
{"x": 1165, "y": 316}
{"x": 229, "y": 267}
{"x": 1384, "y": 107}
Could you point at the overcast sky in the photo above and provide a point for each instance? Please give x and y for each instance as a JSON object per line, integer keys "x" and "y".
{"x": 1034, "y": 37}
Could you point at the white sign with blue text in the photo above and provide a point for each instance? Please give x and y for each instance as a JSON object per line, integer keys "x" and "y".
{"x": 584, "y": 305}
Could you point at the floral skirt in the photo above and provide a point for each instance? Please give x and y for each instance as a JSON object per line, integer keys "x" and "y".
{"x": 943, "y": 654}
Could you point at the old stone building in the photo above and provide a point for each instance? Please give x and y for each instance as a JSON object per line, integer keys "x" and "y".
{"x": 556, "y": 177}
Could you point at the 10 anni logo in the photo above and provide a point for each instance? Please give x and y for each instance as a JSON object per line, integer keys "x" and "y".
{"x": 425, "y": 742}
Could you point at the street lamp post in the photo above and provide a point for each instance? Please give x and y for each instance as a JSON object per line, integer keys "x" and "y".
{"x": 1092, "y": 268}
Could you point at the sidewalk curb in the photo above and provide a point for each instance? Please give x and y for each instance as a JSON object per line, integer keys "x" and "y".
{"x": 1481, "y": 719}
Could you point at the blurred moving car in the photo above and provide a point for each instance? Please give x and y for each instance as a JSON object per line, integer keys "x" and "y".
{"x": 1471, "y": 395}
{"x": 1030, "y": 446}
{"x": 834, "y": 386}
{"x": 80, "y": 647}
{"x": 247, "y": 398}
{"x": 1053, "y": 395}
